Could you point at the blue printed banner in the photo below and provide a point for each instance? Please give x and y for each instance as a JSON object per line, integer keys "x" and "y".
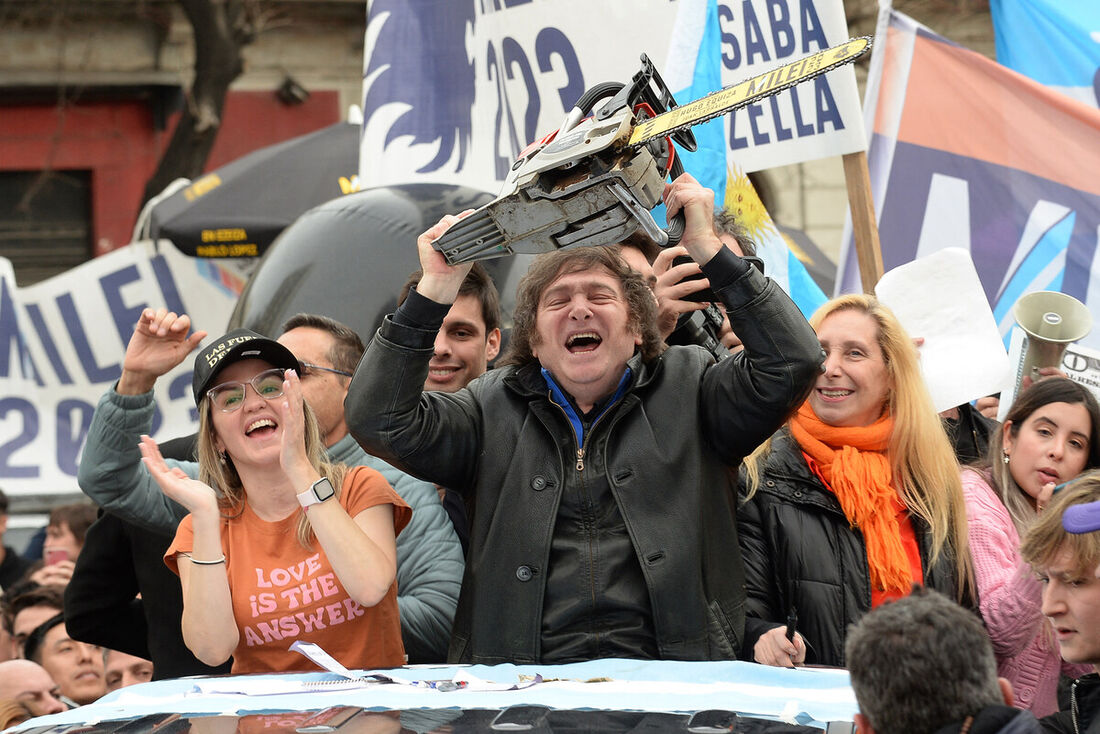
{"x": 61, "y": 347}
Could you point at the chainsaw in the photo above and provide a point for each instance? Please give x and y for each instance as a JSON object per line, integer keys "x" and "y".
{"x": 595, "y": 179}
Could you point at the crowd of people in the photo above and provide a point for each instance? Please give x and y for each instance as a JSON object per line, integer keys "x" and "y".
{"x": 783, "y": 493}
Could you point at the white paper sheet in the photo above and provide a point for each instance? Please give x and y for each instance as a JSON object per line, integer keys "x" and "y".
{"x": 939, "y": 298}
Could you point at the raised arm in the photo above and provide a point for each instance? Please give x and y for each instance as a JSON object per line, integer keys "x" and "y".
{"x": 361, "y": 549}
{"x": 433, "y": 436}
{"x": 751, "y": 394}
{"x": 110, "y": 471}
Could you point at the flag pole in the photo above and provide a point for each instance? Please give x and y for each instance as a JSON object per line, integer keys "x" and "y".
{"x": 864, "y": 228}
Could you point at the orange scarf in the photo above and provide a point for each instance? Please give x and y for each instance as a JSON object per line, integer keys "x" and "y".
{"x": 853, "y": 462}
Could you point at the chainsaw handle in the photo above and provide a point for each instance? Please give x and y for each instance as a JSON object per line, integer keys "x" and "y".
{"x": 676, "y": 224}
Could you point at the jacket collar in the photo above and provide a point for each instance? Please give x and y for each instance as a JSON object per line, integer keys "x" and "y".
{"x": 527, "y": 379}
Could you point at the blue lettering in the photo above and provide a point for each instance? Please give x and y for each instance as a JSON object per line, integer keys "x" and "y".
{"x": 552, "y": 42}
{"x": 729, "y": 40}
{"x": 812, "y": 32}
{"x": 754, "y": 37}
{"x": 736, "y": 143}
{"x": 34, "y": 313}
{"x": 514, "y": 58}
{"x": 758, "y": 138}
{"x": 124, "y": 317}
{"x": 181, "y": 387}
{"x": 801, "y": 128}
{"x": 28, "y": 433}
{"x": 501, "y": 164}
{"x": 782, "y": 33}
{"x": 10, "y": 334}
{"x": 827, "y": 110}
{"x": 168, "y": 288}
{"x": 74, "y": 417}
{"x": 94, "y": 371}
{"x": 781, "y": 133}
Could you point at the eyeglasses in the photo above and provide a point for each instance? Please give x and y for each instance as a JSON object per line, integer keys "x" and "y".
{"x": 306, "y": 366}
{"x": 229, "y": 396}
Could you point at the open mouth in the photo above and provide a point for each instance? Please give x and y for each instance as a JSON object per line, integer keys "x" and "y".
{"x": 833, "y": 393}
{"x": 261, "y": 427}
{"x": 441, "y": 372}
{"x": 586, "y": 341}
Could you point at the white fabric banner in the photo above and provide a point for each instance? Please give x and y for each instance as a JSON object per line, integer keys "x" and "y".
{"x": 62, "y": 343}
{"x": 453, "y": 90}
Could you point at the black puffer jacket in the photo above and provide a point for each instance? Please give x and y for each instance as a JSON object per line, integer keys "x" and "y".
{"x": 664, "y": 449}
{"x": 800, "y": 552}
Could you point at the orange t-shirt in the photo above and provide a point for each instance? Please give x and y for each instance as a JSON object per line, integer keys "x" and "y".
{"x": 282, "y": 592}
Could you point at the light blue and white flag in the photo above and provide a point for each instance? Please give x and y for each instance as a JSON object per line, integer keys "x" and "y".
{"x": 1055, "y": 42}
{"x": 715, "y": 44}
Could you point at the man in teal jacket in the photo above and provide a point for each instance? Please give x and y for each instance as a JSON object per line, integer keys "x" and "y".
{"x": 429, "y": 556}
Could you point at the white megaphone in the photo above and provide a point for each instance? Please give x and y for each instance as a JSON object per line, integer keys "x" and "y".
{"x": 1051, "y": 321}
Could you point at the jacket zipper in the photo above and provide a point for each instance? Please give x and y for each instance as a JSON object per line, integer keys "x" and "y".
{"x": 584, "y": 445}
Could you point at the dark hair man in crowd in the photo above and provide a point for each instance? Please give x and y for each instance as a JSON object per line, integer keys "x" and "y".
{"x": 925, "y": 665}
{"x": 469, "y": 338}
{"x": 429, "y": 556}
{"x": 1063, "y": 547}
{"x": 77, "y": 667}
{"x": 674, "y": 284}
{"x": 26, "y": 607}
{"x": 592, "y": 455}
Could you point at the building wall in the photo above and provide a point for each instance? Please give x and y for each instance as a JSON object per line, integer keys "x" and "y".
{"x": 96, "y": 86}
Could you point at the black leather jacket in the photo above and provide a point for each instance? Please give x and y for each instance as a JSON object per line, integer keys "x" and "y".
{"x": 1083, "y": 716}
{"x": 664, "y": 448}
{"x": 800, "y": 552}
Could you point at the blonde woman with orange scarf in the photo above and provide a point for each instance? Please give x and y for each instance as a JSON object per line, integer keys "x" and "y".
{"x": 854, "y": 501}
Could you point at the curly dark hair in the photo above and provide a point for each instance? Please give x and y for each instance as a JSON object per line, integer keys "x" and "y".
{"x": 640, "y": 304}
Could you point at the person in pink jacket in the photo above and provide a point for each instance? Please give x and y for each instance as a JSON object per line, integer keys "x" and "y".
{"x": 1050, "y": 435}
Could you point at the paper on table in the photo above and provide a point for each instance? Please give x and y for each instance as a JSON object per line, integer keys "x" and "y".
{"x": 940, "y": 298}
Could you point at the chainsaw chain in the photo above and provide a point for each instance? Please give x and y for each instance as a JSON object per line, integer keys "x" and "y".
{"x": 755, "y": 98}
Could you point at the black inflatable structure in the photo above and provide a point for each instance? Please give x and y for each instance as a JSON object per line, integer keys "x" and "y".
{"x": 349, "y": 257}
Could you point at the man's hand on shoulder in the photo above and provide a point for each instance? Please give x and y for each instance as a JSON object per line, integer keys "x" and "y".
{"x": 159, "y": 343}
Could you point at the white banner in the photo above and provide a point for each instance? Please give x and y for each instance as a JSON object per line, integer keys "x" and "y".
{"x": 453, "y": 90}
{"x": 62, "y": 343}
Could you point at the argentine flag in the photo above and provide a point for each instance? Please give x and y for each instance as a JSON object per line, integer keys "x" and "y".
{"x": 693, "y": 70}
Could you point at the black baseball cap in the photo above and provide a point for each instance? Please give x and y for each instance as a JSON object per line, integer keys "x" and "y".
{"x": 1083, "y": 518}
{"x": 233, "y": 347}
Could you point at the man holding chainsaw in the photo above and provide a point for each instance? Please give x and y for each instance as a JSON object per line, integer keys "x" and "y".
{"x": 598, "y": 460}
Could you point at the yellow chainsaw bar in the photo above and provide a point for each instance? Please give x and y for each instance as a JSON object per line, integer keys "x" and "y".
{"x": 751, "y": 90}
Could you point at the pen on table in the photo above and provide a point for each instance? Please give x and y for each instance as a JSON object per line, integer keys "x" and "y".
{"x": 792, "y": 624}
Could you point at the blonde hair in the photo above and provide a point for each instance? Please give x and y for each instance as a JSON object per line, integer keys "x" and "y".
{"x": 925, "y": 470}
{"x": 13, "y": 712}
{"x": 217, "y": 470}
{"x": 1047, "y": 538}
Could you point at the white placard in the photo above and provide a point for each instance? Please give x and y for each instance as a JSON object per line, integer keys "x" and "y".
{"x": 940, "y": 299}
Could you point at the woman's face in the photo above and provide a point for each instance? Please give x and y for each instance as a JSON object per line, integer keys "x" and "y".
{"x": 251, "y": 432}
{"x": 853, "y": 389}
{"x": 1051, "y": 445}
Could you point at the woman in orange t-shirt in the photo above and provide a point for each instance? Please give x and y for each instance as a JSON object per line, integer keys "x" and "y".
{"x": 287, "y": 547}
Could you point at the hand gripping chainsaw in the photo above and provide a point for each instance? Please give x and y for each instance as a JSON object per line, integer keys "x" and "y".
{"x": 594, "y": 180}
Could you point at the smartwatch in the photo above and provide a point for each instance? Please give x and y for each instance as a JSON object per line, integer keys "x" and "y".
{"x": 319, "y": 491}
